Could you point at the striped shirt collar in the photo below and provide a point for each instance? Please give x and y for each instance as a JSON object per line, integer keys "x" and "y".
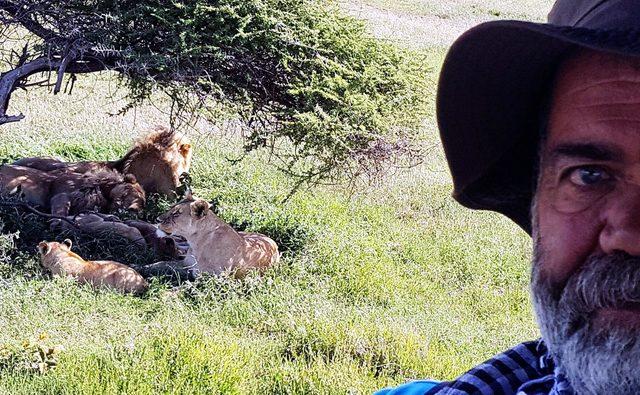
{"x": 526, "y": 369}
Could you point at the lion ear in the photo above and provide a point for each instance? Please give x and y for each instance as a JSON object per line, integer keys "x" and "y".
{"x": 185, "y": 149}
{"x": 199, "y": 208}
{"x": 43, "y": 247}
{"x": 68, "y": 243}
{"x": 130, "y": 178}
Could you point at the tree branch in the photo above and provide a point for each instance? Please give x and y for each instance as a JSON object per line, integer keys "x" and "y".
{"x": 61, "y": 70}
{"x": 33, "y": 210}
{"x": 10, "y": 79}
{"x": 20, "y": 15}
{"x": 11, "y": 118}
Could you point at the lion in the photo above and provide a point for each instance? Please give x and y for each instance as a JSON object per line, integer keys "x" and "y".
{"x": 215, "y": 245}
{"x": 34, "y": 185}
{"x": 60, "y": 260}
{"x": 94, "y": 224}
{"x": 72, "y": 193}
{"x": 162, "y": 244}
{"x": 141, "y": 233}
{"x": 66, "y": 193}
{"x": 156, "y": 160}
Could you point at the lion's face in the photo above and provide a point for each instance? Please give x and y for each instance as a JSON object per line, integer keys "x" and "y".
{"x": 158, "y": 160}
{"x": 184, "y": 218}
{"x": 128, "y": 195}
{"x": 180, "y": 158}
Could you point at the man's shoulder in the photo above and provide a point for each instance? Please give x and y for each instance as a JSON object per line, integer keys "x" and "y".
{"x": 527, "y": 363}
{"x": 525, "y": 368}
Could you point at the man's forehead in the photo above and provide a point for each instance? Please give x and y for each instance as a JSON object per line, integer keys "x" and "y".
{"x": 596, "y": 99}
{"x": 595, "y": 74}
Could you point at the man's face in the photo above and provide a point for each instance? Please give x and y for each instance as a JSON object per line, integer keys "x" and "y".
{"x": 586, "y": 274}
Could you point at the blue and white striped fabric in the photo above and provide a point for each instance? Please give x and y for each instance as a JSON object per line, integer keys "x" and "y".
{"x": 525, "y": 369}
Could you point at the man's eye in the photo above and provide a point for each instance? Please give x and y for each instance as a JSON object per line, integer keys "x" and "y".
{"x": 589, "y": 176}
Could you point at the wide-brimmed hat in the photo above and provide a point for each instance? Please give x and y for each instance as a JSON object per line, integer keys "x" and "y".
{"x": 494, "y": 83}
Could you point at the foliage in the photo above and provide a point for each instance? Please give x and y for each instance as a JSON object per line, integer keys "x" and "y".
{"x": 314, "y": 88}
{"x": 32, "y": 356}
{"x": 24, "y": 230}
{"x": 395, "y": 284}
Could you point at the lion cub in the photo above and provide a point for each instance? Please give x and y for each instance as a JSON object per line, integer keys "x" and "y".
{"x": 60, "y": 260}
{"x": 214, "y": 244}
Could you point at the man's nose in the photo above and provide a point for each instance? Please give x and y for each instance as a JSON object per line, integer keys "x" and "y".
{"x": 621, "y": 231}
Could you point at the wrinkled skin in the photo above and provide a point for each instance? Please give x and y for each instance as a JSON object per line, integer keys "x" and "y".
{"x": 586, "y": 220}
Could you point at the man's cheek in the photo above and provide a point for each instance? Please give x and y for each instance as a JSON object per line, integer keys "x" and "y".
{"x": 565, "y": 241}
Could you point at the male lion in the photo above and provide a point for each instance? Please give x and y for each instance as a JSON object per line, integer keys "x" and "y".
{"x": 214, "y": 244}
{"x": 66, "y": 193}
{"x": 156, "y": 160}
{"x": 60, "y": 260}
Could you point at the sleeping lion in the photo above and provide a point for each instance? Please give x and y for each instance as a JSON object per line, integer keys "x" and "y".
{"x": 63, "y": 193}
{"x": 60, "y": 260}
{"x": 156, "y": 160}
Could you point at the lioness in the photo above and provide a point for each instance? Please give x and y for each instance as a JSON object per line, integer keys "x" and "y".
{"x": 214, "y": 244}
{"x": 66, "y": 193}
{"x": 156, "y": 160}
{"x": 60, "y": 260}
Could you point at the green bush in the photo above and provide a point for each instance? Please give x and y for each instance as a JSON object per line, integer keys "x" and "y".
{"x": 325, "y": 97}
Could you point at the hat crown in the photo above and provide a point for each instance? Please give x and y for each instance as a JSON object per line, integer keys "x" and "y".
{"x": 596, "y": 14}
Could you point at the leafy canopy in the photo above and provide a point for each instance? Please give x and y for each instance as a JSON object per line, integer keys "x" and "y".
{"x": 314, "y": 87}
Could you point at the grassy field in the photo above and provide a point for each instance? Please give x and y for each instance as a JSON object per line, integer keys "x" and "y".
{"x": 428, "y": 23}
{"x": 376, "y": 287}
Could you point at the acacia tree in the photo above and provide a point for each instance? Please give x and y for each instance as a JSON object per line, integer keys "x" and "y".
{"x": 310, "y": 83}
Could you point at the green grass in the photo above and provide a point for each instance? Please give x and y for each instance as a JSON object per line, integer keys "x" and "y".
{"x": 376, "y": 286}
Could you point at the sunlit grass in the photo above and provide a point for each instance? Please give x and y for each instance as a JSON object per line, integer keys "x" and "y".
{"x": 376, "y": 286}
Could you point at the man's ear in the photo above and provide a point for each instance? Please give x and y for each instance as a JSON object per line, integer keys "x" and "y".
{"x": 43, "y": 248}
{"x": 169, "y": 242}
{"x": 67, "y": 242}
{"x": 199, "y": 208}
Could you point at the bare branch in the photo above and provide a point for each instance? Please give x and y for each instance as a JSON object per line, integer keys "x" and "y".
{"x": 33, "y": 210}
{"x": 9, "y": 80}
{"x": 61, "y": 70}
{"x": 20, "y": 15}
{"x": 71, "y": 81}
{"x": 11, "y": 118}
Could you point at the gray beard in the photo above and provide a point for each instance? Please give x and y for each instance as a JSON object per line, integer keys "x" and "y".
{"x": 595, "y": 359}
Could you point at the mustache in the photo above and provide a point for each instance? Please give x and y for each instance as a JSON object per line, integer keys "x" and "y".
{"x": 604, "y": 281}
{"x": 597, "y": 357}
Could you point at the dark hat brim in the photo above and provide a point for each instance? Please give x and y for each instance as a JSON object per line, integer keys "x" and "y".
{"x": 494, "y": 81}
